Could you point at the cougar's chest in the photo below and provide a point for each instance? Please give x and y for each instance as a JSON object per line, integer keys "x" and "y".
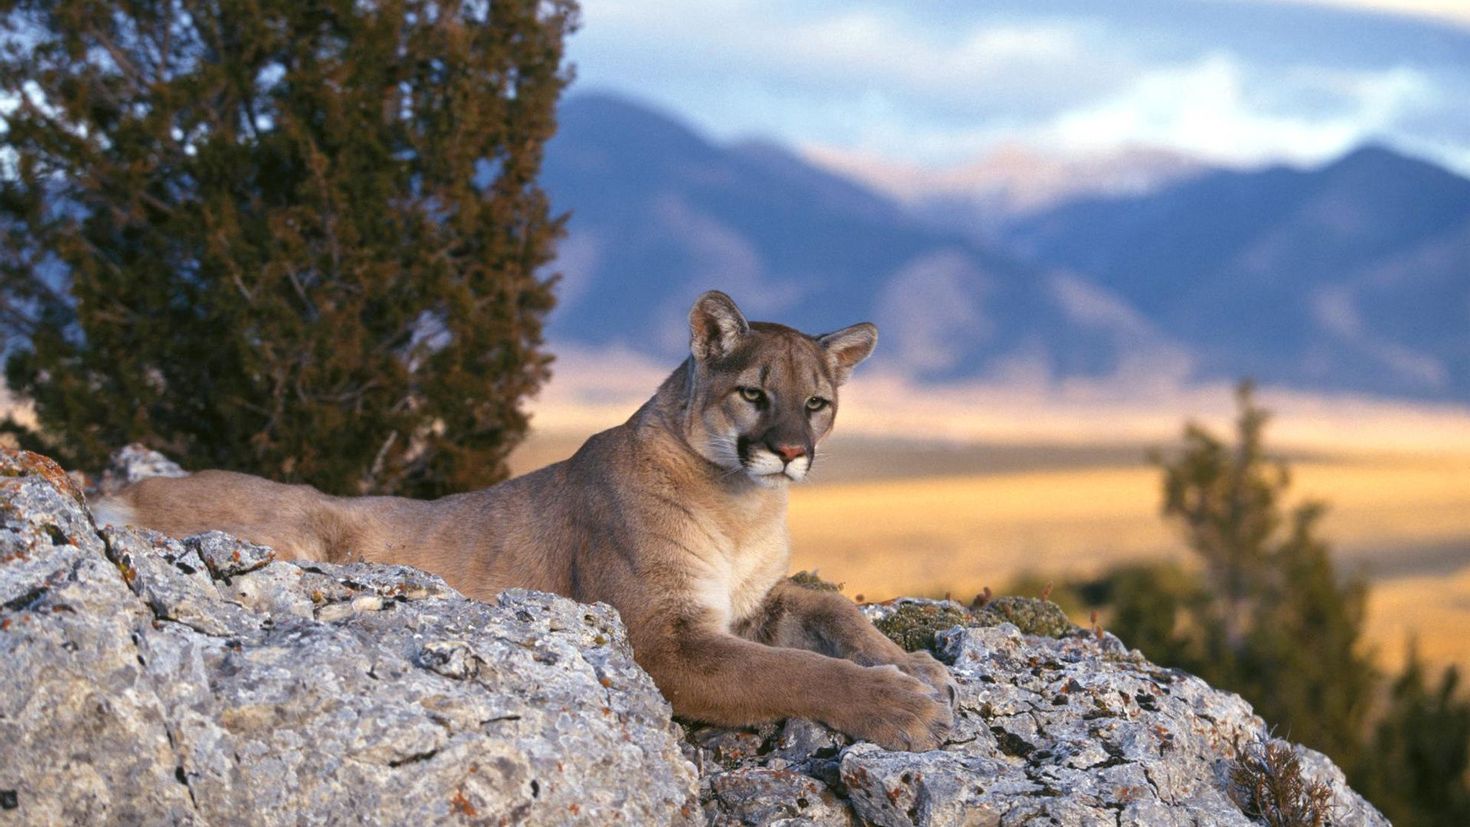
{"x": 753, "y": 556}
{"x": 754, "y": 568}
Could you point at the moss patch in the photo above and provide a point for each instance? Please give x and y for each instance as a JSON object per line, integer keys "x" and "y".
{"x": 914, "y": 625}
{"x": 1032, "y": 615}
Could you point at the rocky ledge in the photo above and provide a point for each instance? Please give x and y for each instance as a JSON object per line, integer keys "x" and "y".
{"x": 149, "y": 680}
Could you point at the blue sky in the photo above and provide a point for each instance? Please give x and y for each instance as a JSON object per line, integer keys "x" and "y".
{"x": 940, "y": 82}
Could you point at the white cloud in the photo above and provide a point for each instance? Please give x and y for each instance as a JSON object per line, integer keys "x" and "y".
{"x": 1216, "y": 108}
{"x": 1213, "y": 107}
{"x": 1449, "y": 11}
{"x": 882, "y": 49}
{"x": 846, "y": 44}
{"x": 860, "y": 57}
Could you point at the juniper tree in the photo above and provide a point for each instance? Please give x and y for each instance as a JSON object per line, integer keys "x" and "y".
{"x": 1225, "y": 499}
{"x": 302, "y": 239}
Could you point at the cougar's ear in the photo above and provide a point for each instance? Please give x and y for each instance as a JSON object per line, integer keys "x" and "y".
{"x": 848, "y": 346}
{"x": 716, "y": 326}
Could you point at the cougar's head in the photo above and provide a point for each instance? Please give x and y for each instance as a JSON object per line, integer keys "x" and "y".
{"x": 763, "y": 395}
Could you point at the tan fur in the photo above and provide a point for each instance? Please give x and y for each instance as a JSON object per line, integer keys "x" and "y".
{"x": 677, "y": 518}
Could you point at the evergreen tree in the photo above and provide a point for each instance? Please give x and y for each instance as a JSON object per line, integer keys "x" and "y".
{"x": 1303, "y": 663}
{"x": 1417, "y": 768}
{"x": 1226, "y": 500}
{"x": 301, "y": 239}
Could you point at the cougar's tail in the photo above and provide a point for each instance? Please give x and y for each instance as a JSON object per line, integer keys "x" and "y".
{"x": 113, "y": 510}
{"x": 298, "y": 521}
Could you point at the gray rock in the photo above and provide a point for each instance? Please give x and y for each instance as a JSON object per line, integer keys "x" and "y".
{"x": 148, "y": 680}
{"x": 227, "y": 556}
{"x": 766, "y": 796}
{"x": 172, "y": 580}
{"x": 135, "y": 462}
{"x": 81, "y": 734}
{"x": 139, "y": 687}
{"x": 770, "y": 774}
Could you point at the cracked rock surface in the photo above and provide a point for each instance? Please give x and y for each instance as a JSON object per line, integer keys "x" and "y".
{"x": 145, "y": 680}
{"x": 151, "y": 680}
{"x": 1068, "y": 730}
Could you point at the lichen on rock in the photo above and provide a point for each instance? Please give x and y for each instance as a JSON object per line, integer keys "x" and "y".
{"x": 913, "y": 624}
{"x": 227, "y": 556}
{"x": 1049, "y": 730}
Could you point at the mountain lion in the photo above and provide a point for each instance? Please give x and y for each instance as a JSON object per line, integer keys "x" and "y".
{"x": 677, "y": 518}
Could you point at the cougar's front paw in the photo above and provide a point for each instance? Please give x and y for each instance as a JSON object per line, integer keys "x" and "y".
{"x": 897, "y": 711}
{"x": 923, "y": 666}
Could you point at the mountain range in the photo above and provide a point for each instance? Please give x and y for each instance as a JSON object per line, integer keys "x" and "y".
{"x": 1351, "y": 277}
{"x": 1354, "y": 275}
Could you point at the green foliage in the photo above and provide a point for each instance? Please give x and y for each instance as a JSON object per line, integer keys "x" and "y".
{"x": 1417, "y": 767}
{"x": 1226, "y": 498}
{"x": 301, "y": 239}
{"x": 1155, "y": 608}
{"x": 1303, "y": 663}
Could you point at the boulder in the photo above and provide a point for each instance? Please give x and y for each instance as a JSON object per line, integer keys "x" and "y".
{"x": 154, "y": 680}
{"x": 149, "y": 680}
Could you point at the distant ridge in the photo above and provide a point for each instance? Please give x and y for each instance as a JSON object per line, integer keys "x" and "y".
{"x": 1355, "y": 275}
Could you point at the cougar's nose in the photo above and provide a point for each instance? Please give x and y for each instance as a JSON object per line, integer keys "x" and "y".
{"x": 789, "y": 451}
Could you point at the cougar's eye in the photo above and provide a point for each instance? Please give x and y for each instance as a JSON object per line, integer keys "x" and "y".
{"x": 816, "y": 403}
{"x": 752, "y": 395}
